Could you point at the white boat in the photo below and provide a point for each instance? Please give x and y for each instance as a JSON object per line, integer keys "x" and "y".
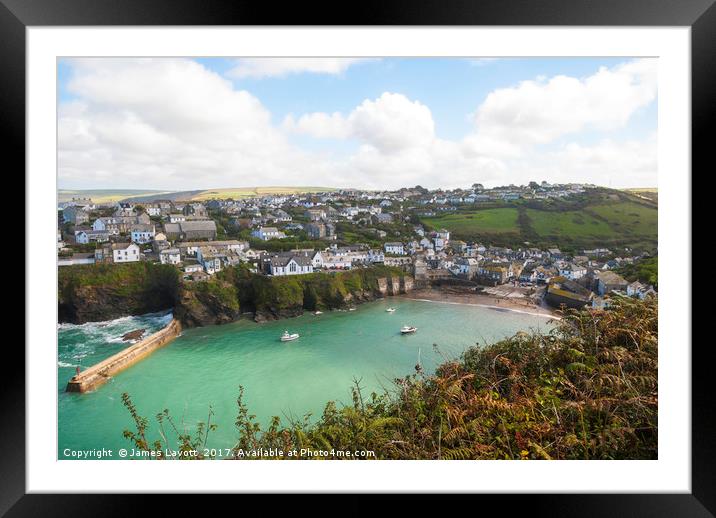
{"x": 390, "y": 310}
{"x": 351, "y": 309}
{"x": 286, "y": 337}
{"x": 408, "y": 329}
{"x": 318, "y": 312}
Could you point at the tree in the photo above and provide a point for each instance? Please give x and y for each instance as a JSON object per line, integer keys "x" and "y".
{"x": 478, "y": 186}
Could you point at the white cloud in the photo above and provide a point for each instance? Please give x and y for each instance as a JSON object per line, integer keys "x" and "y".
{"x": 540, "y": 111}
{"x": 173, "y": 124}
{"x": 389, "y": 123}
{"x": 280, "y": 67}
{"x": 169, "y": 123}
{"x": 631, "y": 163}
{"x": 319, "y": 125}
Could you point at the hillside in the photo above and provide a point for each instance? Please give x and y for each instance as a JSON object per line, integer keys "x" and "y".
{"x": 601, "y": 217}
{"x": 648, "y": 193}
{"x": 137, "y": 195}
{"x": 107, "y": 195}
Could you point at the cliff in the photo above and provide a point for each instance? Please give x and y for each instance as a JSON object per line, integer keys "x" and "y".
{"x": 90, "y": 293}
{"x": 103, "y": 292}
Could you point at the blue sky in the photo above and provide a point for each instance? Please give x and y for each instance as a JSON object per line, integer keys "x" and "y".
{"x": 431, "y": 111}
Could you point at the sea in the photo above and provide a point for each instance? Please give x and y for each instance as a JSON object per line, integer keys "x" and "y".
{"x": 197, "y": 376}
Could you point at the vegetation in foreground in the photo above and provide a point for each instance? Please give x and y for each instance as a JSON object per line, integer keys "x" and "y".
{"x": 586, "y": 390}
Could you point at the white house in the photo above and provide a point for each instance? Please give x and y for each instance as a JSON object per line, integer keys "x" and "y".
{"x": 572, "y": 271}
{"x": 317, "y": 259}
{"x": 193, "y": 268}
{"x": 153, "y": 209}
{"x": 425, "y": 243}
{"x": 142, "y": 233}
{"x": 85, "y": 236}
{"x": 290, "y": 265}
{"x": 376, "y": 256}
{"x": 394, "y": 248}
{"x": 334, "y": 262}
{"x": 466, "y": 266}
{"x": 639, "y": 290}
{"x": 268, "y": 233}
{"x": 125, "y": 252}
{"x": 170, "y": 256}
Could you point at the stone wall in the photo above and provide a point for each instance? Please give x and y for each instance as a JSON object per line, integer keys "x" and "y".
{"x": 99, "y": 373}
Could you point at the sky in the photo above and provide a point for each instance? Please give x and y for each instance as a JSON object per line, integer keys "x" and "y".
{"x": 203, "y": 123}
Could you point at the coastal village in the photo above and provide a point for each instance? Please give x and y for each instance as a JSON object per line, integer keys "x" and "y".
{"x": 298, "y": 234}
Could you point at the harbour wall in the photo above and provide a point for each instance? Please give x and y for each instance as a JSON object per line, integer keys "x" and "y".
{"x": 99, "y": 373}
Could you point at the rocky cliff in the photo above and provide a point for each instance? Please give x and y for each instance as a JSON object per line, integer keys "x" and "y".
{"x": 91, "y": 293}
{"x": 103, "y": 292}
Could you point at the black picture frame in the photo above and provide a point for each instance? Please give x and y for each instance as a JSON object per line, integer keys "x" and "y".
{"x": 700, "y": 15}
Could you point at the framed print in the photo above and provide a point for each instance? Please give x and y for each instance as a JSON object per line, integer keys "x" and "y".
{"x": 435, "y": 242}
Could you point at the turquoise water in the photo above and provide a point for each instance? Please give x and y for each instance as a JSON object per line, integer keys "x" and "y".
{"x": 205, "y": 366}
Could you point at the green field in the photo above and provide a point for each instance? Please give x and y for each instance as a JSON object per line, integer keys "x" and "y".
{"x": 473, "y": 224}
{"x": 629, "y": 217}
{"x": 578, "y": 225}
{"x": 603, "y": 220}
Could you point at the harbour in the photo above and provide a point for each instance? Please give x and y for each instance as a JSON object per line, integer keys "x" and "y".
{"x": 205, "y": 366}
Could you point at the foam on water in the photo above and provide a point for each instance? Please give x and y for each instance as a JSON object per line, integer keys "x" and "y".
{"x": 95, "y": 339}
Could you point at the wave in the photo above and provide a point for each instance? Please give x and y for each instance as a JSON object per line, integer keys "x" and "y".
{"x": 78, "y": 341}
{"x": 162, "y": 317}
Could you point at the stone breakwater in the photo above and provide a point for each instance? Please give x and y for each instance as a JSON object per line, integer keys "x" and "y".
{"x": 99, "y": 373}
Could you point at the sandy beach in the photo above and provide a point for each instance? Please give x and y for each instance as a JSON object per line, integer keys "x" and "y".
{"x": 520, "y": 305}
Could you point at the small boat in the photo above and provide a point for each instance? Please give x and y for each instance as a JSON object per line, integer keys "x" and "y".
{"x": 390, "y": 310}
{"x": 351, "y": 309}
{"x": 318, "y": 312}
{"x": 407, "y": 330}
{"x": 286, "y": 337}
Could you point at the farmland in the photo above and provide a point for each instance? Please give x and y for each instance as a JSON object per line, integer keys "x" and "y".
{"x": 136, "y": 195}
{"x": 578, "y": 225}
{"x": 107, "y": 195}
{"x": 247, "y": 192}
{"x": 487, "y": 221}
{"x": 598, "y": 220}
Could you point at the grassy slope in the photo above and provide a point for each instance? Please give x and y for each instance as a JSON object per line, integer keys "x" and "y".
{"x": 601, "y": 220}
{"x": 489, "y": 221}
{"x": 576, "y": 224}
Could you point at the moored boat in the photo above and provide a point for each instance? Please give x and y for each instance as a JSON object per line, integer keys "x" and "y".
{"x": 390, "y": 310}
{"x": 407, "y": 330}
{"x": 287, "y": 337}
{"x": 318, "y": 312}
